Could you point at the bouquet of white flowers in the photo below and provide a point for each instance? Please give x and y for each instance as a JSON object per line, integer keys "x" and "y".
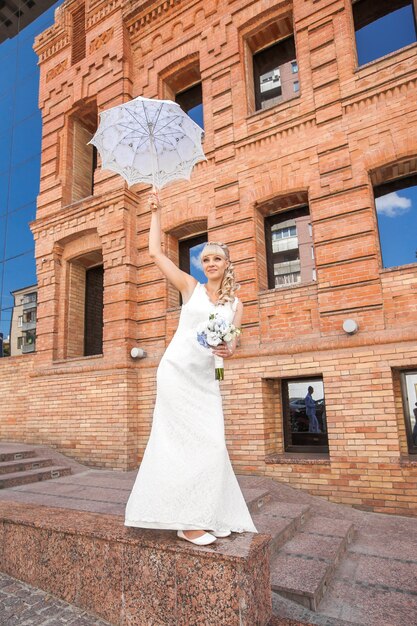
{"x": 214, "y": 332}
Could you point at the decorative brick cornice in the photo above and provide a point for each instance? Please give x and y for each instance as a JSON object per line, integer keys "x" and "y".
{"x": 260, "y": 140}
{"x": 55, "y": 38}
{"x": 370, "y": 97}
{"x": 140, "y": 13}
{"x": 101, "y": 10}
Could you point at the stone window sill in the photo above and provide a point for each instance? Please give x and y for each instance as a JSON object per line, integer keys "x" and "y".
{"x": 409, "y": 460}
{"x": 399, "y": 268}
{"x": 266, "y": 292}
{"x": 73, "y": 359}
{"x": 387, "y": 59}
{"x": 298, "y": 458}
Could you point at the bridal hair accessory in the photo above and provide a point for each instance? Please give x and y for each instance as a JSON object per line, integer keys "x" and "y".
{"x": 214, "y": 332}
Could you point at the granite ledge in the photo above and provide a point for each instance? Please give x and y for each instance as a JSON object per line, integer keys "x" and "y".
{"x": 408, "y": 461}
{"x": 294, "y": 459}
{"x": 112, "y": 528}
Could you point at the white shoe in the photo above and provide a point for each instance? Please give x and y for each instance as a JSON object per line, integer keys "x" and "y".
{"x": 204, "y": 540}
{"x": 225, "y": 533}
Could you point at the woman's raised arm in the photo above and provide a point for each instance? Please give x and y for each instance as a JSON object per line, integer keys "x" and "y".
{"x": 181, "y": 280}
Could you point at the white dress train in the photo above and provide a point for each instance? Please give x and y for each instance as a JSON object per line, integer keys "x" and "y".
{"x": 186, "y": 480}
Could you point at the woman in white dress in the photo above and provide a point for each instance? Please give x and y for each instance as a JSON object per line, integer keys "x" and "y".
{"x": 186, "y": 481}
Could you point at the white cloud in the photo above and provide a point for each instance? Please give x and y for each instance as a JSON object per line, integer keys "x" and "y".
{"x": 195, "y": 261}
{"x": 392, "y": 205}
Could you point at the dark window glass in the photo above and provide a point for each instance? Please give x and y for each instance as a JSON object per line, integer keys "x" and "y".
{"x": 275, "y": 69}
{"x": 290, "y": 252}
{"x": 93, "y": 337}
{"x": 409, "y": 392}
{"x": 189, "y": 257}
{"x": 304, "y": 414}
{"x": 396, "y": 209}
{"x": 191, "y": 101}
{"x": 382, "y": 27}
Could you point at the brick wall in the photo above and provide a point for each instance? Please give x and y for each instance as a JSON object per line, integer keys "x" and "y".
{"x": 345, "y": 130}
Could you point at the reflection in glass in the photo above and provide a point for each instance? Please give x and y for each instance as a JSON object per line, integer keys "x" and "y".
{"x": 289, "y": 245}
{"x": 190, "y": 250}
{"x": 275, "y": 69}
{"x": 4, "y": 193}
{"x": 307, "y": 409}
{"x": 191, "y": 101}
{"x": 196, "y": 269}
{"x": 19, "y": 236}
{"x": 24, "y": 183}
{"x": 6, "y": 113}
{"x": 410, "y": 408}
{"x": 7, "y": 74}
{"x": 396, "y": 209}
{"x": 27, "y": 96}
{"x": 305, "y": 420}
{"x": 382, "y": 27}
{"x": 5, "y": 148}
{"x": 26, "y": 139}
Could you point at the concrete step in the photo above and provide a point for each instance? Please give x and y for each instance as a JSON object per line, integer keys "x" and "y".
{"x": 304, "y": 566}
{"x": 281, "y": 520}
{"x": 15, "y": 455}
{"x": 15, "y": 479}
{"x": 8, "y": 467}
{"x": 256, "y": 498}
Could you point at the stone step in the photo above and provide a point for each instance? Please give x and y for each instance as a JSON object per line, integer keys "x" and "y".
{"x": 281, "y": 520}
{"x": 303, "y": 568}
{"x": 256, "y": 498}
{"x": 31, "y": 476}
{"x": 16, "y": 455}
{"x": 7, "y": 467}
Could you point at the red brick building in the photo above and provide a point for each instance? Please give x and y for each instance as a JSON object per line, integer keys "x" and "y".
{"x": 300, "y": 139}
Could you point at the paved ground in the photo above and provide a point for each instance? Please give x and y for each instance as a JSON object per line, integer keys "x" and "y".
{"x": 375, "y": 585}
{"x": 22, "y": 605}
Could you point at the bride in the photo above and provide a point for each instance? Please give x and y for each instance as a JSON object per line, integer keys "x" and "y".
{"x": 185, "y": 481}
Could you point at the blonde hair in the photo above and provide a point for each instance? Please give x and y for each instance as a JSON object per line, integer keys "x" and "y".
{"x": 228, "y": 285}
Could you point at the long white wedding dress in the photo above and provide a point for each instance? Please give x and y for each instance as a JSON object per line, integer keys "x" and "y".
{"x": 186, "y": 480}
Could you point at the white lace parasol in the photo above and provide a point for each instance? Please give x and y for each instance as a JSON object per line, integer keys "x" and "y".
{"x": 149, "y": 141}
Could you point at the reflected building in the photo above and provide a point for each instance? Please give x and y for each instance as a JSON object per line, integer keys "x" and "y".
{"x": 23, "y": 326}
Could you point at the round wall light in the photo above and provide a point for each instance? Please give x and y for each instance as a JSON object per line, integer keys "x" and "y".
{"x": 137, "y": 353}
{"x": 350, "y": 327}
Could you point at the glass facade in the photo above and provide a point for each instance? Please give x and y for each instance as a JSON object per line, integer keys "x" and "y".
{"x": 20, "y": 153}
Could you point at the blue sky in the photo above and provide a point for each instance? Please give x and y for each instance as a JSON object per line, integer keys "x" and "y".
{"x": 388, "y": 33}
{"x": 195, "y": 266}
{"x": 397, "y": 224}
